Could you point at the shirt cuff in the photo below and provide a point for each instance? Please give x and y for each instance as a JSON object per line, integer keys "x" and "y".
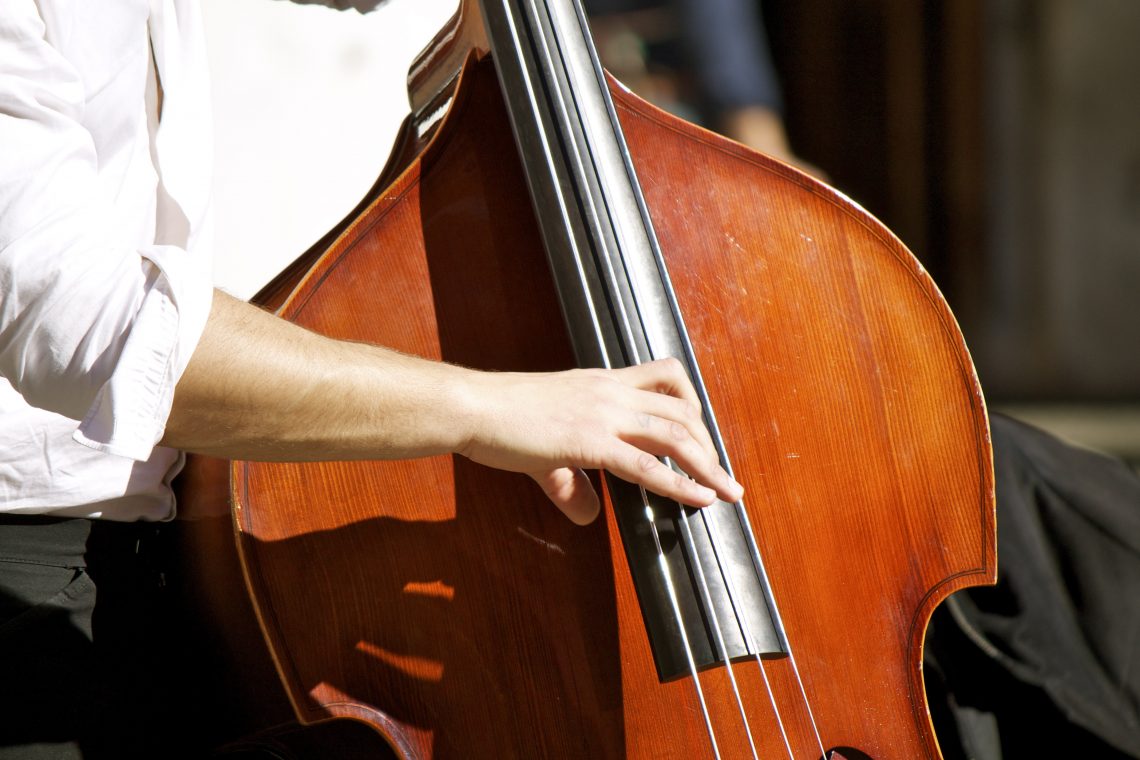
{"x": 129, "y": 413}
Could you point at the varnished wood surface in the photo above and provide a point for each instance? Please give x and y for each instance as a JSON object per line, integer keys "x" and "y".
{"x": 451, "y": 607}
{"x": 435, "y": 68}
{"x": 852, "y": 415}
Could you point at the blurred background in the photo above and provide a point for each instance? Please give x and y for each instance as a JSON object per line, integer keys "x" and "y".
{"x": 999, "y": 139}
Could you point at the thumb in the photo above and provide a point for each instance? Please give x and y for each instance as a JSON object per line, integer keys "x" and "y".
{"x": 571, "y": 491}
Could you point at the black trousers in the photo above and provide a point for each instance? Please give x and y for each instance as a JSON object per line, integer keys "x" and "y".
{"x": 87, "y": 665}
{"x": 102, "y": 659}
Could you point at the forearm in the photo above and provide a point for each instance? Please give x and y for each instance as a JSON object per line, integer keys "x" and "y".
{"x": 258, "y": 387}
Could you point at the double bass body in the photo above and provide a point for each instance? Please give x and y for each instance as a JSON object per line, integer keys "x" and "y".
{"x": 448, "y": 607}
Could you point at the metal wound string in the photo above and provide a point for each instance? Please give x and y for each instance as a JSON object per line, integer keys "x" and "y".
{"x": 668, "y": 577}
{"x": 750, "y": 534}
{"x": 722, "y": 650}
{"x": 803, "y": 695}
{"x": 718, "y": 636}
{"x": 565, "y": 104}
{"x": 746, "y": 629}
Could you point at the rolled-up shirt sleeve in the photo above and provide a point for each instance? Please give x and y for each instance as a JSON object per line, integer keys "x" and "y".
{"x": 93, "y": 325}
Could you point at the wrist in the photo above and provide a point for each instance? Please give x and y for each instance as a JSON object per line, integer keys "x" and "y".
{"x": 468, "y": 397}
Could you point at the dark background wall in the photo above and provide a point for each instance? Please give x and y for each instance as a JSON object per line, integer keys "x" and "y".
{"x": 1000, "y": 139}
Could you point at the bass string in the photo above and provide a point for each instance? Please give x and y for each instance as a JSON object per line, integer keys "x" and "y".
{"x": 745, "y": 628}
{"x": 667, "y": 577}
{"x": 742, "y": 621}
{"x": 749, "y": 640}
{"x": 690, "y": 361}
{"x": 698, "y": 382}
{"x": 718, "y": 637}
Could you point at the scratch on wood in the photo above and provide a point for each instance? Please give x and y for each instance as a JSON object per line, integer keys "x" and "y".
{"x": 542, "y": 542}
{"x": 728, "y": 236}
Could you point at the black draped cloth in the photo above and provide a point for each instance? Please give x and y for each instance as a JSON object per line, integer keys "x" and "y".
{"x": 1046, "y": 663}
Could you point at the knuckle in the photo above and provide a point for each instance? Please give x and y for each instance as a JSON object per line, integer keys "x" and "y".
{"x": 678, "y": 432}
{"x": 694, "y": 459}
{"x": 647, "y": 463}
{"x": 680, "y": 482}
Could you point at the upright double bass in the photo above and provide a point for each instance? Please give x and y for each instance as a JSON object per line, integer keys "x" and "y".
{"x": 536, "y": 215}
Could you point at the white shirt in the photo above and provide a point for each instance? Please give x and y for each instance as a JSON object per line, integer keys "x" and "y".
{"x": 104, "y": 249}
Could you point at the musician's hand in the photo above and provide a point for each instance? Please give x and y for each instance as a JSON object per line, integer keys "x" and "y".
{"x": 549, "y": 426}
